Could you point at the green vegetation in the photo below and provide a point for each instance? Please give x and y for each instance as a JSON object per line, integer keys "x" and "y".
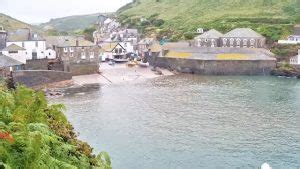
{"x": 12, "y": 24}
{"x": 285, "y": 50}
{"x": 34, "y": 134}
{"x": 272, "y": 18}
{"x": 71, "y": 23}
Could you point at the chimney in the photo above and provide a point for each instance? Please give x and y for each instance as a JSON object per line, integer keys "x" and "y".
{"x": 77, "y": 42}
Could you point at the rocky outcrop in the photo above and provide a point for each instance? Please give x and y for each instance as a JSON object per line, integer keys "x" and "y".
{"x": 286, "y": 73}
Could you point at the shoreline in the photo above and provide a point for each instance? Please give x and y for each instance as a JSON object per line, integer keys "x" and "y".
{"x": 117, "y": 74}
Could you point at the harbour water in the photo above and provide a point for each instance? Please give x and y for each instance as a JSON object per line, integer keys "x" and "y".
{"x": 191, "y": 122}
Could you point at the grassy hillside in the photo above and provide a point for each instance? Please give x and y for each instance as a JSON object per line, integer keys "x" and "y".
{"x": 272, "y": 18}
{"x": 71, "y": 23}
{"x": 12, "y": 24}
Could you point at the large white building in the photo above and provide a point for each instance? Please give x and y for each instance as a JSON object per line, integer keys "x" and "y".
{"x": 296, "y": 59}
{"x": 34, "y": 45}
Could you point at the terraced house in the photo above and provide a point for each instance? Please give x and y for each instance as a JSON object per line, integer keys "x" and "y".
{"x": 78, "y": 55}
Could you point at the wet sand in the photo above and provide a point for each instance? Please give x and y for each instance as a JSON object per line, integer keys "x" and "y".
{"x": 119, "y": 73}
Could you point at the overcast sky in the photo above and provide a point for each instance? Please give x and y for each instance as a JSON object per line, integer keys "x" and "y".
{"x": 37, "y": 11}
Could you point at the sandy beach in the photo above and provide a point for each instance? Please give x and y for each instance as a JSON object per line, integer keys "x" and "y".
{"x": 109, "y": 74}
{"x": 118, "y": 73}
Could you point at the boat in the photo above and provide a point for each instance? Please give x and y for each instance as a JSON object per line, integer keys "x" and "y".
{"x": 131, "y": 64}
{"x": 141, "y": 64}
{"x": 120, "y": 60}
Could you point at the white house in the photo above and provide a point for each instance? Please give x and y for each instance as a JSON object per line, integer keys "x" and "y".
{"x": 50, "y": 53}
{"x": 34, "y": 45}
{"x": 296, "y": 59}
{"x": 200, "y": 30}
{"x": 114, "y": 51}
{"x": 16, "y": 52}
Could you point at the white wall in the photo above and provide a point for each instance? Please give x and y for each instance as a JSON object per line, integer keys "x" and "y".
{"x": 30, "y": 47}
{"x": 50, "y": 54}
{"x": 128, "y": 46}
{"x": 20, "y": 56}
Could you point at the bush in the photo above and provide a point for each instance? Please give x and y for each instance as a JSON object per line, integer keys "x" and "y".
{"x": 189, "y": 35}
{"x": 34, "y": 134}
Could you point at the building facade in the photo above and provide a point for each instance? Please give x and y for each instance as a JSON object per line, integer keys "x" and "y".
{"x": 79, "y": 56}
{"x": 296, "y": 59}
{"x": 34, "y": 44}
{"x": 3, "y": 37}
{"x": 243, "y": 38}
{"x": 16, "y": 52}
{"x": 210, "y": 38}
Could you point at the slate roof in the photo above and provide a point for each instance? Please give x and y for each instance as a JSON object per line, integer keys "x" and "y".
{"x": 67, "y": 41}
{"x": 6, "y": 61}
{"x": 211, "y": 34}
{"x": 243, "y": 33}
{"x": 13, "y": 47}
{"x": 24, "y": 35}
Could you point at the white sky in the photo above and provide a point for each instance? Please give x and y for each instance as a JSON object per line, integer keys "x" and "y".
{"x": 37, "y": 11}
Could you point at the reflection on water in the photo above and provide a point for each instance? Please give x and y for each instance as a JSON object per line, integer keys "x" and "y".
{"x": 192, "y": 122}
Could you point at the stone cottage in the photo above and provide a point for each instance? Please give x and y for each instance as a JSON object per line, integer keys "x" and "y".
{"x": 78, "y": 55}
{"x": 244, "y": 38}
{"x": 210, "y": 38}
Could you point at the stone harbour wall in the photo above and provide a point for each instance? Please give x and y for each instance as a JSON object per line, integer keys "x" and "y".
{"x": 39, "y": 64}
{"x": 82, "y": 69}
{"x": 32, "y": 78}
{"x": 217, "y": 67}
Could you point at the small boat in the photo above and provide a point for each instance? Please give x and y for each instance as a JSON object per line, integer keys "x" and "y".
{"x": 141, "y": 64}
{"x": 120, "y": 60}
{"x": 131, "y": 64}
{"x": 111, "y": 63}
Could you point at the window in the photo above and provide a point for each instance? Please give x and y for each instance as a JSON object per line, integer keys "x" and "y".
{"x": 231, "y": 42}
{"x": 213, "y": 43}
{"x": 71, "y": 54}
{"x": 238, "y": 42}
{"x": 120, "y": 50}
{"x": 252, "y": 42}
{"x": 71, "y": 49}
{"x": 83, "y": 55}
{"x": 224, "y": 42}
{"x": 116, "y": 51}
{"x": 199, "y": 42}
{"x": 125, "y": 44}
{"x": 11, "y": 52}
{"x": 23, "y": 44}
{"x": 245, "y": 43}
{"x": 49, "y": 53}
{"x": 37, "y": 44}
{"x": 92, "y": 55}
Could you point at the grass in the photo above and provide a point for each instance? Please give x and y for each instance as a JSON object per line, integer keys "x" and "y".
{"x": 272, "y": 18}
{"x": 12, "y": 24}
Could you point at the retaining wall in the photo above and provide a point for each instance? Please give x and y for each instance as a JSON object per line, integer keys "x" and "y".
{"x": 82, "y": 69}
{"x": 40, "y": 77}
{"x": 217, "y": 67}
